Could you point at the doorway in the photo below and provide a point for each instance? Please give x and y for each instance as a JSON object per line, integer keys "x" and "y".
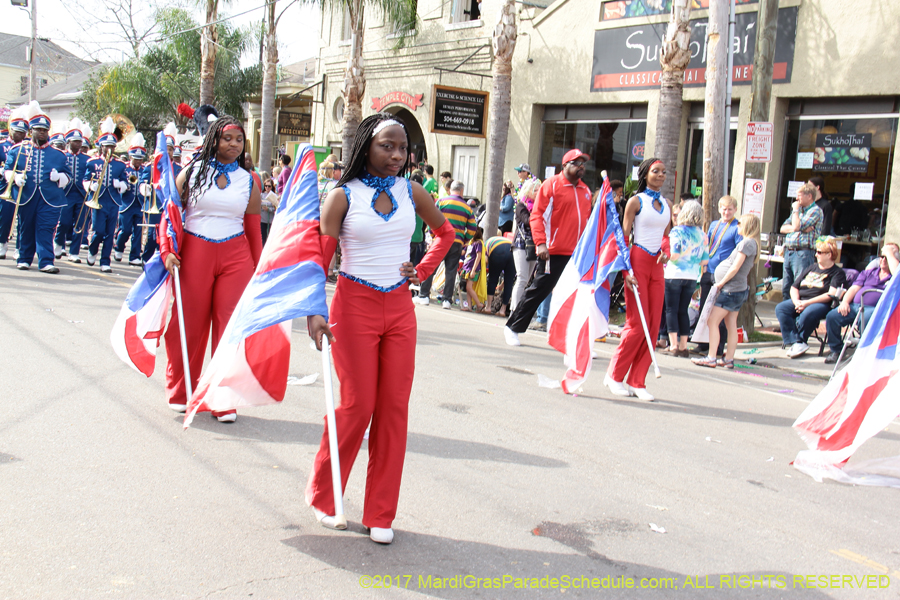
{"x": 465, "y": 168}
{"x": 417, "y": 150}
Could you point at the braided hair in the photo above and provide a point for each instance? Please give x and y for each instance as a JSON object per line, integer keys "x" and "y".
{"x": 364, "y": 134}
{"x": 643, "y": 171}
{"x": 206, "y": 153}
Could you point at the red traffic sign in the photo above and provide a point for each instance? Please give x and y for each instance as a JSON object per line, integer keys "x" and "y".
{"x": 760, "y": 136}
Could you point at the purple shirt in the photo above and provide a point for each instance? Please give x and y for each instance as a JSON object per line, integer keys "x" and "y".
{"x": 870, "y": 279}
{"x": 283, "y": 178}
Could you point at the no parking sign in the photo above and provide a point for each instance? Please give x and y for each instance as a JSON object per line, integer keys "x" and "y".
{"x": 754, "y": 194}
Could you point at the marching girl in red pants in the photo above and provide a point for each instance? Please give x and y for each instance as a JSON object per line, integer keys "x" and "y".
{"x": 648, "y": 216}
{"x": 373, "y": 324}
{"x": 219, "y": 251}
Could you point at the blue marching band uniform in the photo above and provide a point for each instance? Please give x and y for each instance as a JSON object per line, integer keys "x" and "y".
{"x": 111, "y": 184}
{"x": 18, "y": 129}
{"x": 38, "y": 173}
{"x": 132, "y": 208}
{"x": 73, "y": 220}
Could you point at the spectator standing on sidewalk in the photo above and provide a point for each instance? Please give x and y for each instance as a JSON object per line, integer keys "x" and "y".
{"x": 801, "y": 229}
{"x": 460, "y": 216}
{"x": 561, "y": 211}
{"x": 524, "y": 250}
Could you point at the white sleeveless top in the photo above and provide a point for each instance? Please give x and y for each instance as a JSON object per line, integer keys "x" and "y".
{"x": 218, "y": 214}
{"x": 374, "y": 247}
{"x": 650, "y": 224}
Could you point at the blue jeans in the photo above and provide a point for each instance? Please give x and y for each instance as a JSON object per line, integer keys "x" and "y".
{"x": 543, "y": 311}
{"x": 834, "y": 321}
{"x": 798, "y": 327}
{"x": 794, "y": 263}
{"x": 678, "y": 299}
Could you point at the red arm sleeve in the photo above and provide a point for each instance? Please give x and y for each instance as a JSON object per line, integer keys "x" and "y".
{"x": 165, "y": 244}
{"x": 541, "y": 201}
{"x": 444, "y": 236}
{"x": 328, "y": 245}
{"x": 254, "y": 235}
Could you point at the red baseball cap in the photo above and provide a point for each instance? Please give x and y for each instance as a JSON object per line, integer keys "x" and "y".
{"x": 574, "y": 155}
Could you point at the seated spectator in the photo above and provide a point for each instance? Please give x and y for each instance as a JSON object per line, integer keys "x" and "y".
{"x": 810, "y": 299}
{"x": 874, "y": 278}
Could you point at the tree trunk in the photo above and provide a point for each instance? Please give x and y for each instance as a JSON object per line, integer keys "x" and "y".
{"x": 674, "y": 58}
{"x": 498, "y": 122}
{"x": 714, "y": 112}
{"x": 270, "y": 61}
{"x": 760, "y": 101}
{"x": 208, "y": 40}
{"x": 354, "y": 80}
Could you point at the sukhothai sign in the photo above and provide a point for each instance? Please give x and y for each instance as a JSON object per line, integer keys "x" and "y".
{"x": 459, "y": 111}
{"x": 413, "y": 101}
{"x": 847, "y": 152}
{"x": 628, "y": 57}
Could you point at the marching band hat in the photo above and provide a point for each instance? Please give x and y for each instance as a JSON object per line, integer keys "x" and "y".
{"x": 137, "y": 149}
{"x": 176, "y": 152}
{"x": 107, "y": 133}
{"x": 4, "y": 133}
{"x": 17, "y": 120}
{"x": 36, "y": 117}
{"x": 169, "y": 131}
{"x": 73, "y": 131}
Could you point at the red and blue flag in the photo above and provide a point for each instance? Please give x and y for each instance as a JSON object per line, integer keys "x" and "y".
{"x": 142, "y": 319}
{"x": 250, "y": 365}
{"x": 579, "y": 310}
{"x": 859, "y": 401}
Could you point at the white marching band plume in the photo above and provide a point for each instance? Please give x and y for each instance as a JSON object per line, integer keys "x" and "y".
{"x": 86, "y": 131}
{"x": 75, "y": 123}
{"x": 59, "y": 127}
{"x": 108, "y": 126}
{"x": 170, "y": 130}
{"x": 137, "y": 141}
{"x": 31, "y": 110}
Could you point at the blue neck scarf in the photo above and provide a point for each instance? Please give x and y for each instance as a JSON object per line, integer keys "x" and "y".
{"x": 221, "y": 169}
{"x": 380, "y": 184}
{"x": 654, "y": 195}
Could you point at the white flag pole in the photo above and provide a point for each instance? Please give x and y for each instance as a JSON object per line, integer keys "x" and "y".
{"x": 637, "y": 299}
{"x": 339, "y": 518}
{"x": 184, "y": 352}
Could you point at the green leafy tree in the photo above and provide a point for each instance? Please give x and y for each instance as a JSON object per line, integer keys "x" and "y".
{"x": 149, "y": 88}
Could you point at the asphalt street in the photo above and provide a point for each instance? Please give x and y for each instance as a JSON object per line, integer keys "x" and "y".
{"x": 104, "y": 495}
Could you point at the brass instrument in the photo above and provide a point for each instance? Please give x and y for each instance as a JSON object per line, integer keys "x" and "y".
{"x": 7, "y": 194}
{"x": 9, "y": 186}
{"x": 94, "y": 202}
{"x": 132, "y": 179}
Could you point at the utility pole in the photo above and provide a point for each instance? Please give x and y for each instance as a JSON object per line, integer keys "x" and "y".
{"x": 32, "y": 71}
{"x": 713, "y": 114}
{"x": 760, "y": 101}
{"x": 728, "y": 86}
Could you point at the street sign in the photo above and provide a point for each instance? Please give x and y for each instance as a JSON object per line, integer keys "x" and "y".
{"x": 459, "y": 111}
{"x": 760, "y": 136}
{"x": 754, "y": 195}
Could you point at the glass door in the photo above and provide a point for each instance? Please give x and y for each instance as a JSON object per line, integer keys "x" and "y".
{"x": 692, "y": 181}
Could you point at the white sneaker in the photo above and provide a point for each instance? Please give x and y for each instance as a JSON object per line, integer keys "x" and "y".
{"x": 616, "y": 387}
{"x": 229, "y": 418}
{"x": 512, "y": 338}
{"x": 58, "y": 250}
{"x": 105, "y": 269}
{"x": 797, "y": 350}
{"x": 445, "y": 305}
{"x": 2, "y": 250}
{"x": 23, "y": 266}
{"x": 642, "y": 394}
{"x": 136, "y": 262}
{"x": 381, "y": 535}
{"x": 73, "y": 258}
{"x": 91, "y": 259}
{"x": 118, "y": 256}
{"x": 421, "y": 300}
{"x": 328, "y": 520}
{"x": 179, "y": 408}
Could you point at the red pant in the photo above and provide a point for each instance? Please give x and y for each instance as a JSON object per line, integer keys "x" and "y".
{"x": 213, "y": 277}
{"x": 632, "y": 357}
{"x": 374, "y": 356}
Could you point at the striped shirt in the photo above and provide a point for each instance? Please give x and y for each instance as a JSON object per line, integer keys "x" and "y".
{"x": 494, "y": 242}
{"x": 811, "y": 218}
{"x": 460, "y": 216}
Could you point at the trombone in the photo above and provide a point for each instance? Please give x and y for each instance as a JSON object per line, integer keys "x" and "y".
{"x": 94, "y": 202}
{"x": 7, "y": 195}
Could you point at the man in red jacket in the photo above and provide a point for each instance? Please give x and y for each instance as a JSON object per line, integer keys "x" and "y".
{"x": 561, "y": 211}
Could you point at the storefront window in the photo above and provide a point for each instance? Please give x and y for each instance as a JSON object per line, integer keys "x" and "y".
{"x": 853, "y": 156}
{"x": 617, "y": 147}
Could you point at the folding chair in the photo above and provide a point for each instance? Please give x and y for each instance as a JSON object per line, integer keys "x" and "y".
{"x": 855, "y": 330}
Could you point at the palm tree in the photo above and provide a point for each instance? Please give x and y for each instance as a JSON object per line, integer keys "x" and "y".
{"x": 674, "y": 58}
{"x": 399, "y": 16}
{"x": 504, "y": 43}
{"x": 270, "y": 62}
{"x": 209, "y": 39}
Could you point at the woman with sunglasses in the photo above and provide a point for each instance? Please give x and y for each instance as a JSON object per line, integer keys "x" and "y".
{"x": 811, "y": 296}
{"x": 270, "y": 202}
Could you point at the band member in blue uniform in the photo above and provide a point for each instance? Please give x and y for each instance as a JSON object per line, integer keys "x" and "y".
{"x": 68, "y": 230}
{"x": 131, "y": 211}
{"x": 38, "y": 174}
{"x": 105, "y": 177}
{"x": 18, "y": 128}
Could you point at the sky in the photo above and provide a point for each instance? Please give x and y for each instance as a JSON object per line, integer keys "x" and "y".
{"x": 79, "y": 28}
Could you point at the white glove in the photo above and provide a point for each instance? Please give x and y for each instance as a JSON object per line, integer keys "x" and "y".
{"x": 120, "y": 185}
{"x": 8, "y": 175}
{"x": 20, "y": 179}
{"x": 145, "y": 189}
{"x": 62, "y": 180}
{"x": 91, "y": 186}
{"x": 54, "y": 175}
